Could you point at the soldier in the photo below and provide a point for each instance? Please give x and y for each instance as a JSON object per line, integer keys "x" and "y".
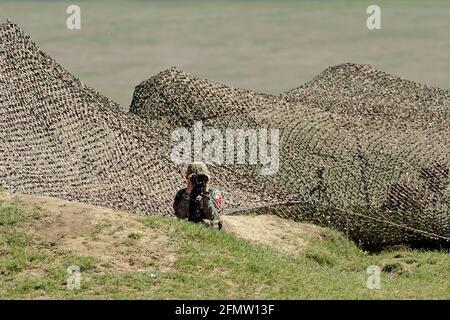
{"x": 198, "y": 202}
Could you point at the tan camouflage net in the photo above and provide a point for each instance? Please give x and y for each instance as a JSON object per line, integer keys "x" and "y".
{"x": 60, "y": 138}
{"x": 380, "y": 181}
{"x": 361, "y": 151}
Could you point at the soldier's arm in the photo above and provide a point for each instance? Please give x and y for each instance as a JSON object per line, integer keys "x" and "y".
{"x": 181, "y": 204}
{"x": 212, "y": 204}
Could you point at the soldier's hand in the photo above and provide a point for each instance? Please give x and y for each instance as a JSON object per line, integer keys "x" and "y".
{"x": 206, "y": 186}
{"x": 190, "y": 185}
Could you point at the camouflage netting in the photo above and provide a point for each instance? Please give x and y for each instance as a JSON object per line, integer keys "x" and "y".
{"x": 346, "y": 160}
{"x": 60, "y": 138}
{"x": 360, "y": 150}
{"x": 362, "y": 91}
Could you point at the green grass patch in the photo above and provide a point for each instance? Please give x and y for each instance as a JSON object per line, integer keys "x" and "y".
{"x": 135, "y": 236}
{"x": 11, "y": 215}
{"x": 213, "y": 264}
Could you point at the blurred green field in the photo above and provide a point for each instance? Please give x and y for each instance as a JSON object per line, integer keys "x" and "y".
{"x": 267, "y": 46}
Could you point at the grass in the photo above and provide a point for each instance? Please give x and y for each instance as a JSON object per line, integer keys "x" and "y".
{"x": 135, "y": 236}
{"x": 211, "y": 264}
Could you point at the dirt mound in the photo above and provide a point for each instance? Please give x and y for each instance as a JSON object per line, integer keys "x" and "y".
{"x": 109, "y": 235}
{"x": 104, "y": 234}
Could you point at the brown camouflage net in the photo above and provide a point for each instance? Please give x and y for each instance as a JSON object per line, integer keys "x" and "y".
{"x": 347, "y": 160}
{"x": 361, "y": 151}
{"x": 60, "y": 138}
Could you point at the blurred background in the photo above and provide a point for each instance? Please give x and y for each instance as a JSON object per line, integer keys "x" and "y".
{"x": 266, "y": 46}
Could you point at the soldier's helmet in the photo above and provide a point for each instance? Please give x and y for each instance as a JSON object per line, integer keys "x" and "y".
{"x": 197, "y": 168}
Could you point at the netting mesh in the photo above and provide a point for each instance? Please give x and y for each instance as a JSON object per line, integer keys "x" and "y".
{"x": 361, "y": 151}
{"x": 61, "y": 138}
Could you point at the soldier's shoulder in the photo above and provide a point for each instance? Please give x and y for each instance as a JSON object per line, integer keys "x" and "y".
{"x": 180, "y": 192}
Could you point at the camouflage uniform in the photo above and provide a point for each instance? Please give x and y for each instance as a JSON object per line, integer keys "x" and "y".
{"x": 207, "y": 204}
{"x": 205, "y": 208}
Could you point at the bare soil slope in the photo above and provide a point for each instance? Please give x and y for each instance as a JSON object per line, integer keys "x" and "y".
{"x": 125, "y": 256}
{"x": 108, "y": 234}
{"x": 283, "y": 235}
{"x": 60, "y": 138}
